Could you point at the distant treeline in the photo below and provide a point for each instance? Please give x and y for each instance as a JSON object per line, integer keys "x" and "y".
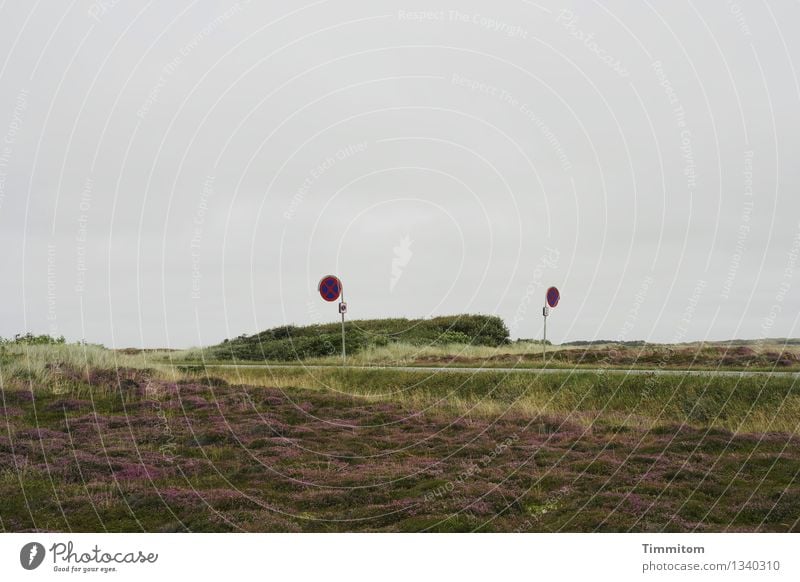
{"x": 772, "y": 340}
{"x": 640, "y": 343}
{"x": 34, "y": 340}
{"x": 526, "y": 340}
{"x": 292, "y": 342}
{"x": 631, "y": 344}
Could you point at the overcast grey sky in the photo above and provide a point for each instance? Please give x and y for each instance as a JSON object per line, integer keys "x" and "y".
{"x": 174, "y": 173}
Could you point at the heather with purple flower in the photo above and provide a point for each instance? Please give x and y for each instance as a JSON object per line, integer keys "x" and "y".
{"x": 200, "y": 454}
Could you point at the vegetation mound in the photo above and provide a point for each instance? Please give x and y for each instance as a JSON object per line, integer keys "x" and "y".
{"x": 295, "y": 342}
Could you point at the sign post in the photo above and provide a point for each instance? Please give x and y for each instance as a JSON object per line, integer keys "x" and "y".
{"x": 552, "y": 297}
{"x": 343, "y": 310}
{"x": 545, "y": 313}
{"x": 330, "y": 289}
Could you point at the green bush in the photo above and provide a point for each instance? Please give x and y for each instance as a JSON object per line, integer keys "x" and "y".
{"x": 34, "y": 340}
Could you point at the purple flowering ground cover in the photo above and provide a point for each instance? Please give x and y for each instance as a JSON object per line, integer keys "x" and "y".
{"x": 149, "y": 455}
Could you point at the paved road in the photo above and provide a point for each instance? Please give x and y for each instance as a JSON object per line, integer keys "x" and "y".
{"x": 464, "y": 370}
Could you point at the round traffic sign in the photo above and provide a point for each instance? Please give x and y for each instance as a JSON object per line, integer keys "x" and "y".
{"x": 330, "y": 288}
{"x": 553, "y": 296}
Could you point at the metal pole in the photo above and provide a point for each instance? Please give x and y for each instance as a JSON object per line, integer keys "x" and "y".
{"x": 344, "y": 350}
{"x": 544, "y": 336}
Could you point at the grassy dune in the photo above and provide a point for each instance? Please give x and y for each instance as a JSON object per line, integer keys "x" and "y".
{"x": 95, "y": 440}
{"x": 67, "y": 366}
{"x": 751, "y": 404}
{"x": 292, "y": 342}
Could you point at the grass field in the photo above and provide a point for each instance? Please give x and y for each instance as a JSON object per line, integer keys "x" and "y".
{"x": 756, "y": 356}
{"x": 98, "y": 440}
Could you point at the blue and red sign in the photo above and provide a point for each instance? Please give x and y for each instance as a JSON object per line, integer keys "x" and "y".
{"x": 330, "y": 288}
{"x": 552, "y": 296}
